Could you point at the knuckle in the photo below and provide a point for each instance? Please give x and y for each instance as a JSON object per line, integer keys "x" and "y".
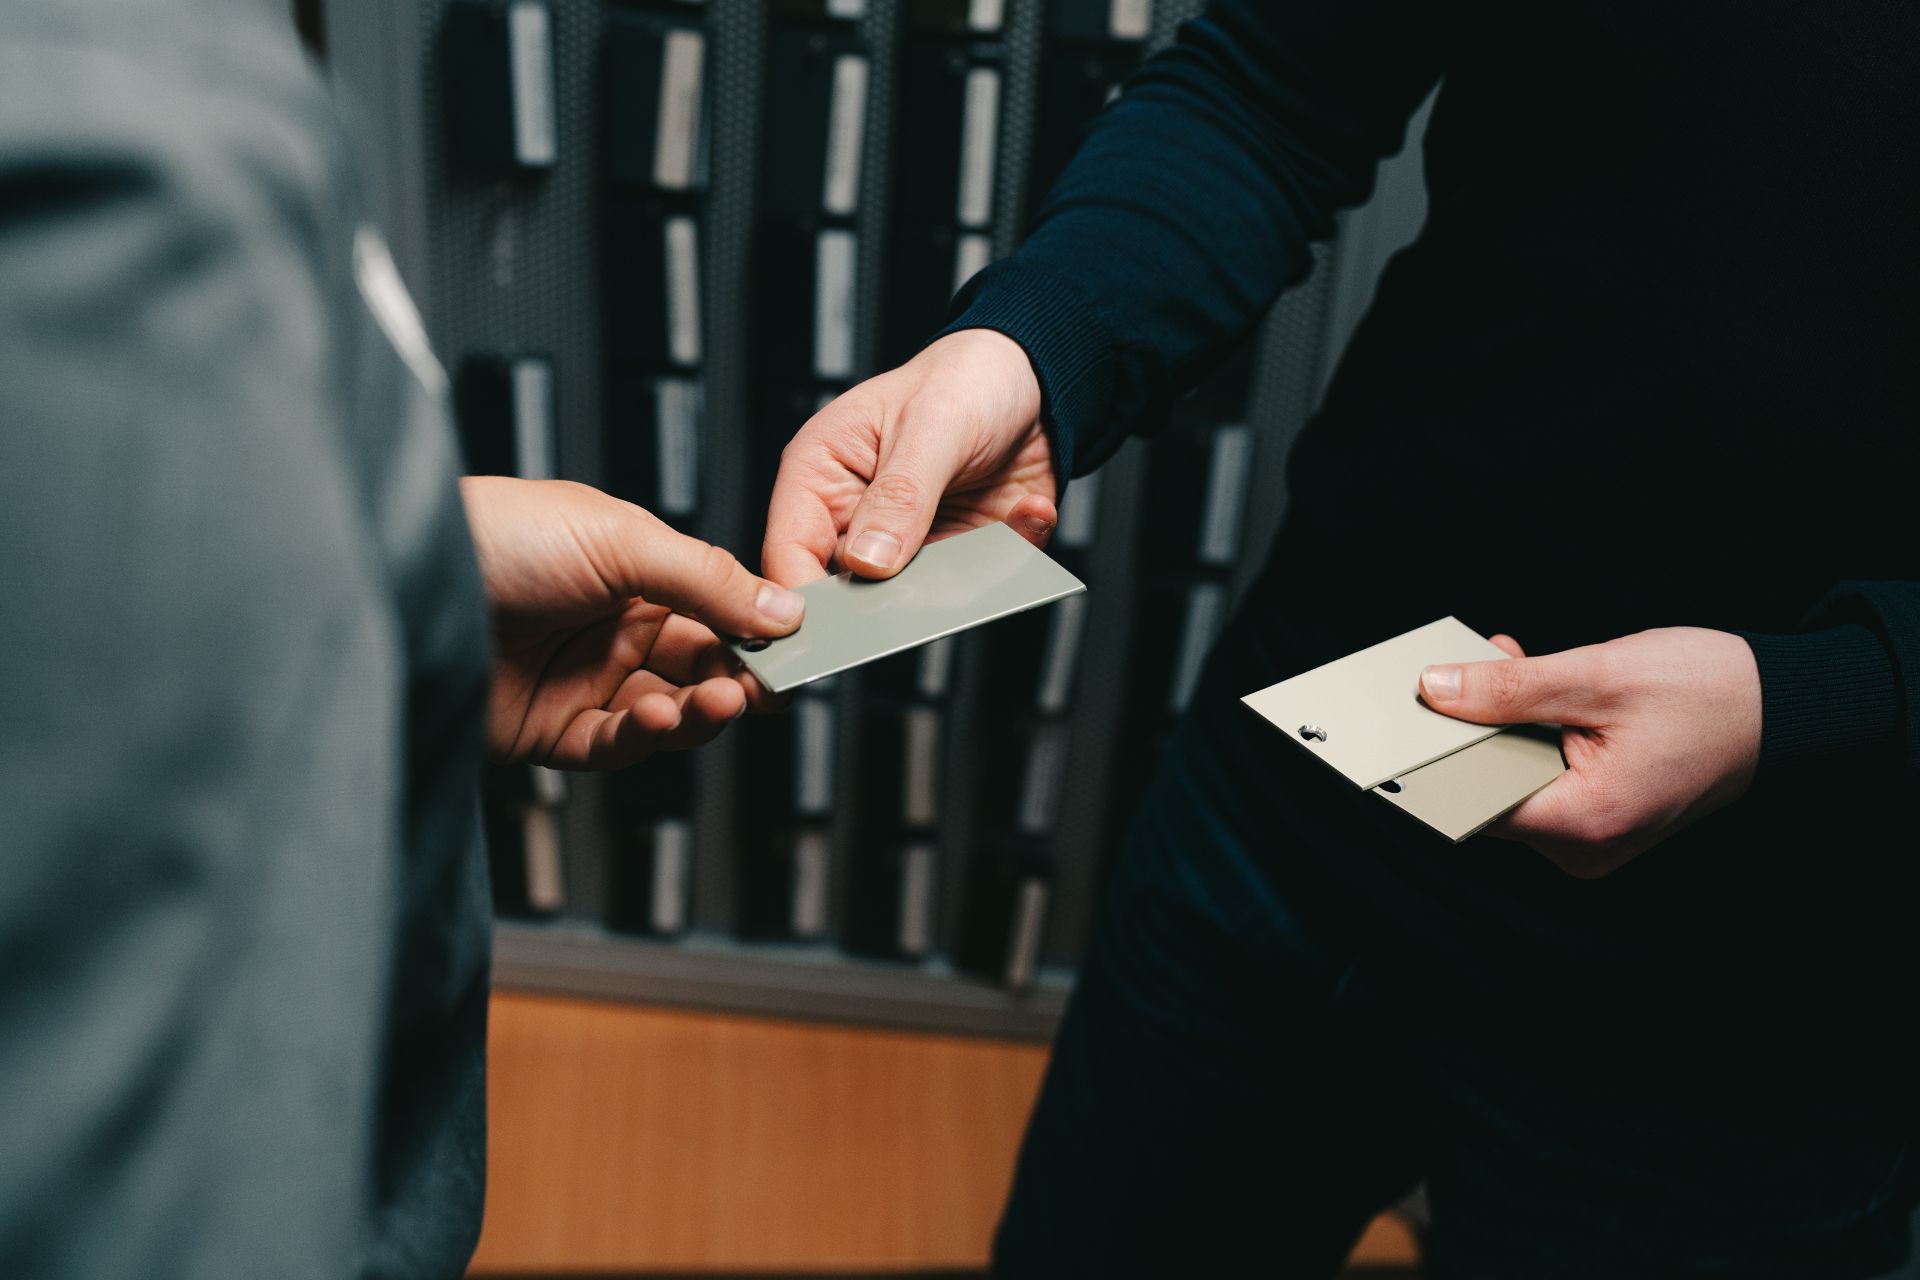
{"x": 829, "y": 431}
{"x": 850, "y": 415}
{"x": 802, "y": 450}
{"x": 652, "y": 524}
{"x": 898, "y": 489}
{"x": 1506, "y": 682}
{"x": 1608, "y": 676}
{"x": 930, "y": 409}
{"x": 717, "y": 564}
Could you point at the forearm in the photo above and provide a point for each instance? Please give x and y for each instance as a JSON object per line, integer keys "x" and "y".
{"x": 1193, "y": 201}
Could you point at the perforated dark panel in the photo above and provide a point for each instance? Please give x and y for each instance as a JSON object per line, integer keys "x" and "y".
{"x": 514, "y": 268}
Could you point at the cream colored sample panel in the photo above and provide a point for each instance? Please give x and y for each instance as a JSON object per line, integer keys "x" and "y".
{"x": 1362, "y": 713}
{"x": 1457, "y": 795}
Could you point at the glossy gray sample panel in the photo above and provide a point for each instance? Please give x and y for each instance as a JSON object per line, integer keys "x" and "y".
{"x": 952, "y": 585}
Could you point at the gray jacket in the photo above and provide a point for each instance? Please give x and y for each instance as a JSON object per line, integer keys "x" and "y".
{"x": 243, "y": 911}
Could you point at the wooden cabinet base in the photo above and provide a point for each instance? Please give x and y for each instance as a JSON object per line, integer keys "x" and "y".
{"x": 630, "y": 1140}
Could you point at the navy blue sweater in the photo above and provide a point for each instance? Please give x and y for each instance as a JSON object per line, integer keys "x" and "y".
{"x": 1651, "y": 362}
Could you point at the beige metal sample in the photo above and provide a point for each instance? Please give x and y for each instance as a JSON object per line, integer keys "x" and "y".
{"x": 1457, "y": 795}
{"x": 1362, "y": 714}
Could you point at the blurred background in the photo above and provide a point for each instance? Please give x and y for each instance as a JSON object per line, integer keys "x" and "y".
{"x": 781, "y": 1007}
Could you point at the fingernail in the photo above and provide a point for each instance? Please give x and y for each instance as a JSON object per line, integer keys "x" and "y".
{"x": 777, "y": 604}
{"x": 1036, "y": 526}
{"x": 1440, "y": 684}
{"x": 876, "y": 548}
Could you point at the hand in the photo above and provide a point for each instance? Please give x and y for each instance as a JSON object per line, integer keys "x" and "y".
{"x": 948, "y": 441}
{"x": 603, "y": 652}
{"x": 1660, "y": 729}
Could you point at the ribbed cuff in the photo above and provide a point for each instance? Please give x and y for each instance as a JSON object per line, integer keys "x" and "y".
{"x": 1071, "y": 349}
{"x": 1829, "y": 705}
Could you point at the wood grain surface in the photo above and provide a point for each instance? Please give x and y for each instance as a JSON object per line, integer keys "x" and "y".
{"x": 627, "y": 1139}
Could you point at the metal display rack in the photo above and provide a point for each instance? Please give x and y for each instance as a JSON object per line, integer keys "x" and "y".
{"x": 515, "y": 267}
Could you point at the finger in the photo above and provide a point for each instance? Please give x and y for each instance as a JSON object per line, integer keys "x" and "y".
{"x": 715, "y": 697}
{"x": 704, "y": 710}
{"x": 651, "y": 716}
{"x": 1561, "y": 688}
{"x": 686, "y": 651}
{"x": 1582, "y": 824}
{"x": 637, "y": 686}
{"x": 793, "y": 565}
{"x": 801, "y": 529}
{"x": 597, "y": 739}
{"x": 894, "y": 514}
{"x": 760, "y": 699}
{"x": 1557, "y": 827}
{"x": 1508, "y": 645}
{"x": 712, "y": 704}
{"x": 710, "y": 707}
{"x": 655, "y": 720}
{"x": 1034, "y": 518}
{"x": 702, "y": 581}
{"x": 1550, "y": 817}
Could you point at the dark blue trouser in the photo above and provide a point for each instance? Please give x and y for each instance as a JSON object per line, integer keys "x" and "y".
{"x": 1298, "y": 1006}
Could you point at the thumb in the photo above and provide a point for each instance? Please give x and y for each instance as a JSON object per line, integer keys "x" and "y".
{"x": 1561, "y": 688}
{"x": 704, "y": 582}
{"x": 892, "y": 519}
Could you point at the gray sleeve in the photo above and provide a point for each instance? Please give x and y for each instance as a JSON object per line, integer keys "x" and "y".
{"x": 204, "y": 666}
